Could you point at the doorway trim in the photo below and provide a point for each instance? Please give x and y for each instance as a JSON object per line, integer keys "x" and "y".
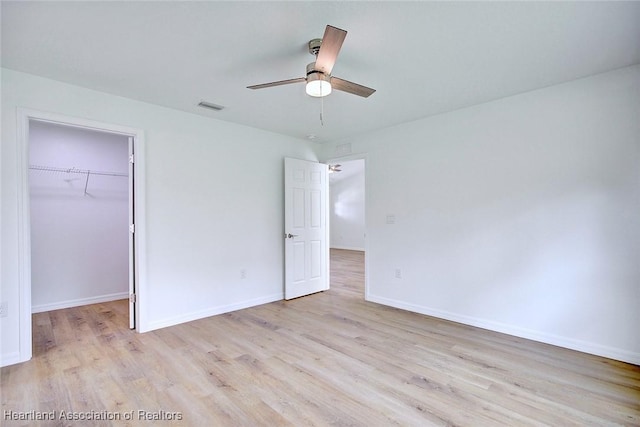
{"x": 24, "y": 116}
{"x": 361, "y": 156}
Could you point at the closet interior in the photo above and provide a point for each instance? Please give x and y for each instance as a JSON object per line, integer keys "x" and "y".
{"x": 79, "y": 214}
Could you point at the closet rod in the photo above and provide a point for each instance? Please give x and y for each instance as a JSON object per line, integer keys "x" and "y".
{"x": 74, "y": 170}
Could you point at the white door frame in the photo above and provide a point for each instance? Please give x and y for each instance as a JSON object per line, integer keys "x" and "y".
{"x": 24, "y": 116}
{"x": 366, "y": 210}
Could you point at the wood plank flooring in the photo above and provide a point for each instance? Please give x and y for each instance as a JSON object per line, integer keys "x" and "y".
{"x": 326, "y": 359}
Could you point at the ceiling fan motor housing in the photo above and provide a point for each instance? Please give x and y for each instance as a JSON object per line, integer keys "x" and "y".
{"x": 311, "y": 69}
{"x": 314, "y": 46}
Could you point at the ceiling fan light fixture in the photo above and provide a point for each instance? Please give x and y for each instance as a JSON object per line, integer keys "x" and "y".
{"x": 319, "y": 80}
{"x": 318, "y": 84}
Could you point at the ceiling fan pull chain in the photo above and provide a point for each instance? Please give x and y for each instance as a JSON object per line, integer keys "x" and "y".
{"x": 321, "y": 107}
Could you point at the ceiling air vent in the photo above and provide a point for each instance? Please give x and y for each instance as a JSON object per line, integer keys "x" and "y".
{"x": 211, "y": 106}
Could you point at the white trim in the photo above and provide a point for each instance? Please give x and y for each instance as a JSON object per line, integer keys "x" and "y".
{"x": 560, "y": 341}
{"x": 214, "y": 311}
{"x": 24, "y": 237}
{"x": 76, "y": 122}
{"x": 347, "y": 248}
{"x": 327, "y": 231}
{"x": 24, "y": 115}
{"x": 78, "y": 302}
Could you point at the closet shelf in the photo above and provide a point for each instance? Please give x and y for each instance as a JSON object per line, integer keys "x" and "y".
{"x": 75, "y": 170}
{"x": 87, "y": 172}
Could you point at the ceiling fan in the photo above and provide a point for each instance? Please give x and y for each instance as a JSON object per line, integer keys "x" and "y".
{"x": 335, "y": 168}
{"x": 319, "y": 80}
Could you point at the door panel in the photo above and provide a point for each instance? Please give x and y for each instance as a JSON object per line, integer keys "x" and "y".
{"x": 298, "y": 207}
{"x": 316, "y": 259}
{"x": 306, "y": 228}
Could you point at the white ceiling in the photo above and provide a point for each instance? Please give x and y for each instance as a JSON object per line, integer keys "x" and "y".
{"x": 423, "y": 58}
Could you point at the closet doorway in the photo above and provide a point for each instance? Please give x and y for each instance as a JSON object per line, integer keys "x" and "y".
{"x": 79, "y": 216}
{"x": 81, "y": 212}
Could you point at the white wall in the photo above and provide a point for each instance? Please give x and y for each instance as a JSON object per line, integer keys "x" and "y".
{"x": 214, "y": 203}
{"x": 79, "y": 243}
{"x": 347, "y": 206}
{"x": 519, "y": 215}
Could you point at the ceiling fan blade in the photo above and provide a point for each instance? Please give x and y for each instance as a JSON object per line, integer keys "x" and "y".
{"x": 278, "y": 83}
{"x": 354, "y": 88}
{"x": 329, "y": 49}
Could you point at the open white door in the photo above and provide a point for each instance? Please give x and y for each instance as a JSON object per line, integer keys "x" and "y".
{"x": 132, "y": 272}
{"x": 306, "y": 228}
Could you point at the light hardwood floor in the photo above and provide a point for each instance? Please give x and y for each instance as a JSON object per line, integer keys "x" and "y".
{"x": 326, "y": 359}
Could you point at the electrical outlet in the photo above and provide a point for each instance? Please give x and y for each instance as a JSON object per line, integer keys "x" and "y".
{"x": 3, "y": 309}
{"x": 398, "y": 273}
{"x": 243, "y": 273}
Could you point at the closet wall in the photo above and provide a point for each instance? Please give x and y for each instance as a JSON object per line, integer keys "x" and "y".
{"x": 79, "y": 240}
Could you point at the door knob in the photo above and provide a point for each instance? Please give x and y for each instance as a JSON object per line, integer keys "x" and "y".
{"x": 290, "y": 236}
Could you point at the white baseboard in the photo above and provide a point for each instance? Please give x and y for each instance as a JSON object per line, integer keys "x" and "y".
{"x": 570, "y": 343}
{"x": 213, "y": 311}
{"x": 348, "y": 248}
{"x": 79, "y": 302}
